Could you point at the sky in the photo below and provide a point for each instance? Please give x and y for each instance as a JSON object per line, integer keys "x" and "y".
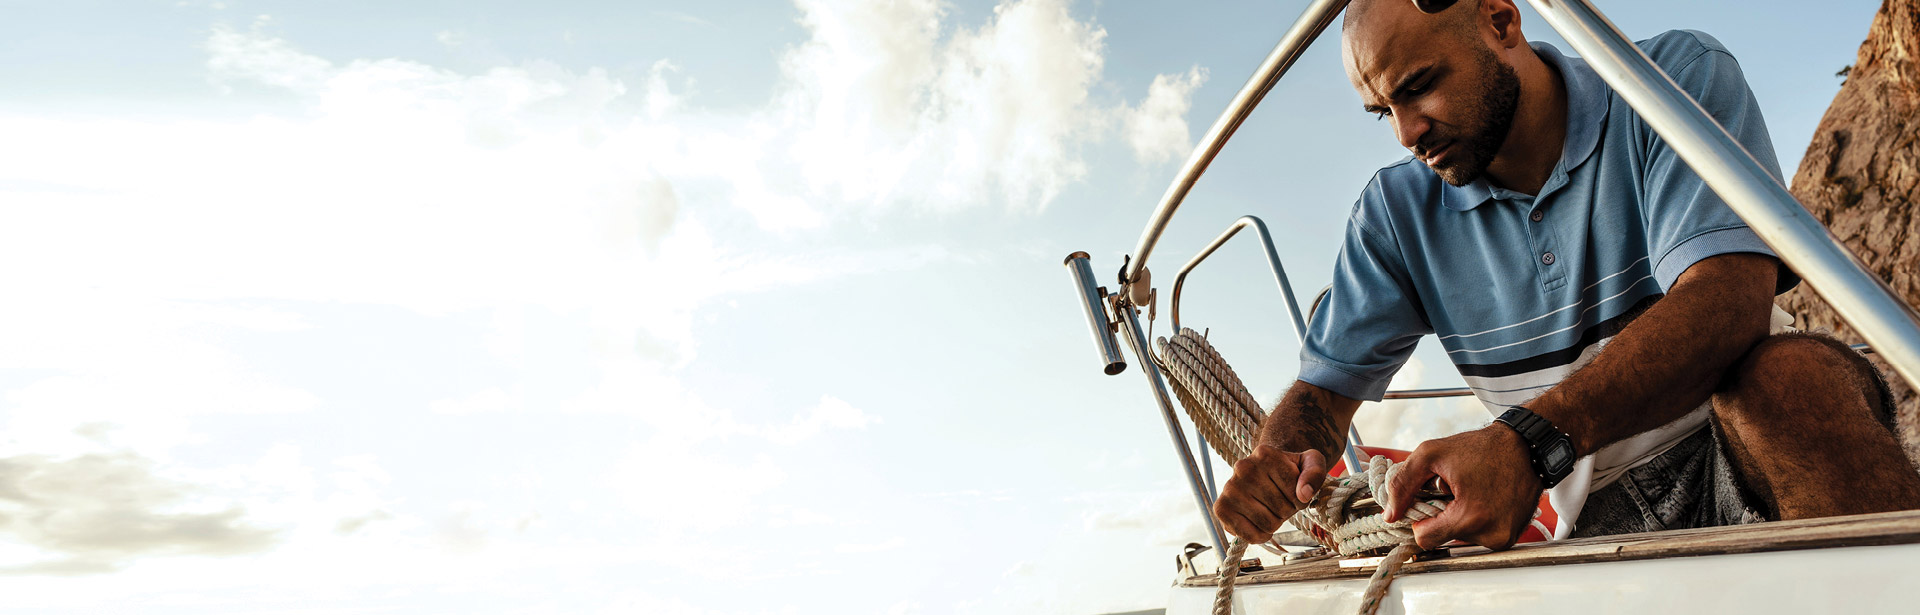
{"x": 655, "y": 307}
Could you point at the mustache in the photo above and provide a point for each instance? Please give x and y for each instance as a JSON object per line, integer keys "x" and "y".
{"x": 1437, "y": 137}
{"x": 1426, "y": 147}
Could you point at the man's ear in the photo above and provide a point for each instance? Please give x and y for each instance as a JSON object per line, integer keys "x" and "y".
{"x": 1504, "y": 19}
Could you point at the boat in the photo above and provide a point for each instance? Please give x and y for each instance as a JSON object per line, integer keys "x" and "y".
{"x": 1851, "y": 564}
{"x": 1858, "y": 563}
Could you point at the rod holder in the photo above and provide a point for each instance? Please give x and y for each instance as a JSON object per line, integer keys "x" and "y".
{"x": 1094, "y": 299}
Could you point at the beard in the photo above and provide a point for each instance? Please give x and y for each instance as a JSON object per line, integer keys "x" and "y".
{"x": 1490, "y": 118}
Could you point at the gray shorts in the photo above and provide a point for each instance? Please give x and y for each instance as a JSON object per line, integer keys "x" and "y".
{"x": 1693, "y": 484}
{"x": 1689, "y": 485}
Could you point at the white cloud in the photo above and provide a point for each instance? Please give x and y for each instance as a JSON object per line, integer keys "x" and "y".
{"x": 660, "y": 98}
{"x": 1020, "y": 569}
{"x": 96, "y": 512}
{"x": 876, "y": 547}
{"x": 356, "y": 501}
{"x": 905, "y": 607}
{"x": 891, "y": 105}
{"x": 997, "y": 113}
{"x": 885, "y": 108}
{"x": 678, "y": 486}
{"x": 641, "y": 602}
{"x": 1157, "y": 128}
{"x": 1404, "y": 424}
{"x": 488, "y": 400}
{"x": 789, "y": 516}
{"x": 511, "y": 187}
{"x": 527, "y": 184}
{"x": 531, "y": 186}
{"x": 831, "y": 412}
{"x": 1162, "y": 519}
{"x": 689, "y": 475}
{"x": 462, "y": 530}
{"x": 514, "y": 190}
{"x": 142, "y": 364}
{"x": 271, "y": 61}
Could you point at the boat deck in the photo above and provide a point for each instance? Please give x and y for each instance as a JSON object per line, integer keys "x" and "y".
{"x": 1894, "y": 528}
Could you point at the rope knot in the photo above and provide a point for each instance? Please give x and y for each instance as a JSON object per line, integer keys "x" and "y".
{"x": 1332, "y": 520}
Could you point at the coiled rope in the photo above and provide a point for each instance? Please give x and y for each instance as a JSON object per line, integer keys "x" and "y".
{"x": 1341, "y": 517}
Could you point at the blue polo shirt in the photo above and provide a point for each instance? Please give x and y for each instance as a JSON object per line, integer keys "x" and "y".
{"x": 1522, "y": 290}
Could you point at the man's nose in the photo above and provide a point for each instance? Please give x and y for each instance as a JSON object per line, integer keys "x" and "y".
{"x": 1410, "y": 127}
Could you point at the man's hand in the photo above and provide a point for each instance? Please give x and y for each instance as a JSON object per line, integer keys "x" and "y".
{"x": 1266, "y": 488}
{"x": 1491, "y": 475}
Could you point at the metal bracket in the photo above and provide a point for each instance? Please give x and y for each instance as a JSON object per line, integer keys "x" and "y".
{"x": 1183, "y": 563}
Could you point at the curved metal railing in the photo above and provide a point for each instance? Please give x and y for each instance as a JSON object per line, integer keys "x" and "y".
{"x": 1889, "y": 326}
{"x": 1315, "y": 19}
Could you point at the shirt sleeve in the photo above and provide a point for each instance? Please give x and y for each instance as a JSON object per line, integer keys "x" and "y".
{"x": 1686, "y": 221}
{"x": 1369, "y": 323}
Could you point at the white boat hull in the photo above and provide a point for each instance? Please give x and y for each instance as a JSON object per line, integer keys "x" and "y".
{"x": 1794, "y": 567}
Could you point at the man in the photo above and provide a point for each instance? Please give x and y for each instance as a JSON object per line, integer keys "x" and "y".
{"x": 1539, "y": 222}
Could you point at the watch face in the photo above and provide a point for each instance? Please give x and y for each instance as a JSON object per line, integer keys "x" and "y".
{"x": 1557, "y": 455}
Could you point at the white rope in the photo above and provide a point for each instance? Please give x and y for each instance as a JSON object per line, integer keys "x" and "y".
{"x": 1331, "y": 512}
{"x": 1223, "y": 411}
{"x": 1353, "y": 535}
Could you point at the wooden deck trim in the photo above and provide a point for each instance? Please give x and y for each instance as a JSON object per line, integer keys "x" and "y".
{"x": 1901, "y": 527}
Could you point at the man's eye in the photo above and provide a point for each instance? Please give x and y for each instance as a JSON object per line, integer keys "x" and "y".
{"x": 1381, "y": 115}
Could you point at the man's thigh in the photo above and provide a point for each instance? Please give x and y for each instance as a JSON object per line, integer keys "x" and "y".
{"x": 1867, "y": 378}
{"x": 1695, "y": 484}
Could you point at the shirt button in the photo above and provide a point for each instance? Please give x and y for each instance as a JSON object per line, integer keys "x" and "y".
{"x": 1547, "y": 258}
{"x": 1538, "y": 215}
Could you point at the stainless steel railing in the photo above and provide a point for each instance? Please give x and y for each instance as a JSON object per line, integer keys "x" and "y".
{"x": 1429, "y": 393}
{"x": 1273, "y": 264}
{"x": 1352, "y": 453}
{"x": 1865, "y": 302}
{"x": 1890, "y": 327}
{"x": 1125, "y": 321}
{"x": 1888, "y": 324}
{"x": 1305, "y": 29}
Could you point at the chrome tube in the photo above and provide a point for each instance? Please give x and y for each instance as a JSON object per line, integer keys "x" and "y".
{"x": 1138, "y": 339}
{"x": 1206, "y": 463}
{"x": 1094, "y": 300}
{"x": 1429, "y": 393}
{"x": 1860, "y": 297}
{"x": 1352, "y": 454}
{"x": 1305, "y": 29}
{"x": 1273, "y": 263}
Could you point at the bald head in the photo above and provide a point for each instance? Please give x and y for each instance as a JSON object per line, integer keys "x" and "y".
{"x": 1436, "y": 15}
{"x": 1445, "y": 79}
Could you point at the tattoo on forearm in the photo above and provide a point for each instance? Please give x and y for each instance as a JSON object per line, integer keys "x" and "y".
{"x": 1317, "y": 429}
{"x": 1303, "y": 421}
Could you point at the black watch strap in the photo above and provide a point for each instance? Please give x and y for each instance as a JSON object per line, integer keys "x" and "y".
{"x": 1551, "y": 451}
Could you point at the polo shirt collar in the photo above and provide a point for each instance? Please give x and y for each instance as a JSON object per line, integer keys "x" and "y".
{"x": 1587, "y": 101}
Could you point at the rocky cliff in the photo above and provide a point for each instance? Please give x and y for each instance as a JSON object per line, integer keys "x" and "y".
{"x": 1861, "y": 176}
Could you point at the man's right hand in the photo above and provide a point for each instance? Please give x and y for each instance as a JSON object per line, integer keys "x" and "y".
{"x": 1266, "y": 488}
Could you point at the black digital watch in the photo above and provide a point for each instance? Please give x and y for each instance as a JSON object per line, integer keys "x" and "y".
{"x": 1551, "y": 450}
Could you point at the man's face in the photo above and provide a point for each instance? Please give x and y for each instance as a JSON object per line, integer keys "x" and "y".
{"x": 1450, "y": 98}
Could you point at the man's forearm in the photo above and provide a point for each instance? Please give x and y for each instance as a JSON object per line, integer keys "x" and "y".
{"x": 1309, "y": 417}
{"x": 1279, "y": 474}
{"x": 1668, "y": 361}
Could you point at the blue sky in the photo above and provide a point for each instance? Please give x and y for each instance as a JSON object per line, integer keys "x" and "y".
{"x": 659, "y": 307}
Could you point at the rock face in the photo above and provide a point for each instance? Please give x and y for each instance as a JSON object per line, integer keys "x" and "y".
{"x": 1861, "y": 177}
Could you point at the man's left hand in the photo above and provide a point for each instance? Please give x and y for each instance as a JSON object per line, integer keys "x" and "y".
{"x": 1491, "y": 475}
